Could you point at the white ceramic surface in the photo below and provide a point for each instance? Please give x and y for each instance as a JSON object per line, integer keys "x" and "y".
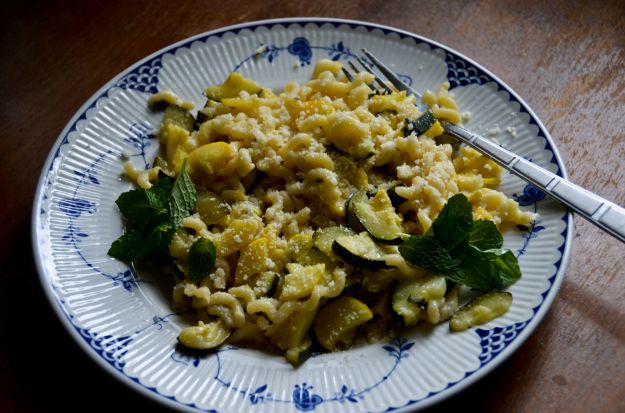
{"x": 122, "y": 316}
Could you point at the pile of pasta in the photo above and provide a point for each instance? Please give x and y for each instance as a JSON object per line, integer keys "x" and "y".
{"x": 271, "y": 169}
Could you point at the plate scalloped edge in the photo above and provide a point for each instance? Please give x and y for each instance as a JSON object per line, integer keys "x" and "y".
{"x": 143, "y": 76}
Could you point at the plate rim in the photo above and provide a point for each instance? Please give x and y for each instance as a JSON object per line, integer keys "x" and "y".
{"x": 133, "y": 383}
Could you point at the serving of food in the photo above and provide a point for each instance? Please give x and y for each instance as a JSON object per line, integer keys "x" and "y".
{"x": 317, "y": 212}
{"x": 251, "y": 233}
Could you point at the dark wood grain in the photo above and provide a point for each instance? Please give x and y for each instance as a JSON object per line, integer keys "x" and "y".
{"x": 565, "y": 58}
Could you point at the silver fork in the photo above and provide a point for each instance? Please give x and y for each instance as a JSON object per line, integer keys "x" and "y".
{"x": 601, "y": 212}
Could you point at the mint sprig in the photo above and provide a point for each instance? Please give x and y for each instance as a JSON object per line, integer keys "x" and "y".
{"x": 464, "y": 251}
{"x": 153, "y": 215}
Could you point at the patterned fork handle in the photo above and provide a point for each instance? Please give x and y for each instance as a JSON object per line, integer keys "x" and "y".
{"x": 601, "y": 212}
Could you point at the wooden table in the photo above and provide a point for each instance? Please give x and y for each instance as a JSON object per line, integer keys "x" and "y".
{"x": 566, "y": 58}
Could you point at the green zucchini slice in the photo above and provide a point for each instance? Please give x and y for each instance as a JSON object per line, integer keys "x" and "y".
{"x": 336, "y": 324}
{"x": 324, "y": 237}
{"x": 350, "y": 219}
{"x": 378, "y": 217}
{"x": 360, "y": 251}
{"x": 232, "y": 87}
{"x": 204, "y": 336}
{"x": 179, "y": 117}
{"x": 480, "y": 310}
{"x": 420, "y": 125}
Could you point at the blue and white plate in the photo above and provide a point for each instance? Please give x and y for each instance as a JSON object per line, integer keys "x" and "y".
{"x": 122, "y": 316}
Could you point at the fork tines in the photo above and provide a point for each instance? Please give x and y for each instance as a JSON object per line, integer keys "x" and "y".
{"x": 390, "y": 75}
{"x": 366, "y": 67}
{"x": 387, "y": 73}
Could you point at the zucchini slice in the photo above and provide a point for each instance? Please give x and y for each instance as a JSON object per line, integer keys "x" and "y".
{"x": 350, "y": 219}
{"x": 164, "y": 98}
{"x": 348, "y": 172}
{"x": 324, "y": 237}
{"x": 232, "y": 87}
{"x": 360, "y": 251}
{"x": 410, "y": 297}
{"x": 420, "y": 125}
{"x": 179, "y": 117}
{"x": 480, "y": 310}
{"x": 336, "y": 324}
{"x": 378, "y": 217}
{"x": 314, "y": 256}
{"x": 204, "y": 336}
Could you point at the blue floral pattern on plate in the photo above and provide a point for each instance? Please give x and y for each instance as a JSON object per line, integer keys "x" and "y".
{"x": 302, "y": 396}
{"x": 144, "y": 78}
{"x": 74, "y": 208}
{"x": 301, "y": 48}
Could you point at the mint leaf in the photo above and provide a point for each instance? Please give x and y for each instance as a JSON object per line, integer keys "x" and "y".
{"x": 161, "y": 189}
{"x": 489, "y": 270}
{"x": 142, "y": 207}
{"x": 453, "y": 224}
{"x": 485, "y": 235}
{"x": 128, "y": 247}
{"x": 477, "y": 271}
{"x": 507, "y": 266}
{"x": 201, "y": 259}
{"x": 182, "y": 197}
{"x": 426, "y": 252}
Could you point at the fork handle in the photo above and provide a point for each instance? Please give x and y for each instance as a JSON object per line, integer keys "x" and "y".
{"x": 601, "y": 212}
